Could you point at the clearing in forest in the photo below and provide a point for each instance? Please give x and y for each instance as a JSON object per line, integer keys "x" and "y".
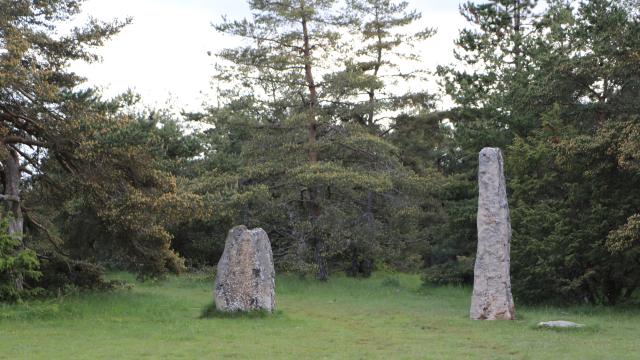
{"x": 384, "y": 317}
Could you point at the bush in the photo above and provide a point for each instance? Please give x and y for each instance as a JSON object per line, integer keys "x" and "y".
{"x": 16, "y": 266}
{"x": 455, "y": 272}
{"x": 60, "y": 275}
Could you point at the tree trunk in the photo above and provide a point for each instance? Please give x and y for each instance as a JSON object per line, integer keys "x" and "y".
{"x": 11, "y": 168}
{"x": 376, "y": 69}
{"x": 312, "y": 125}
{"x": 517, "y": 47}
{"x": 313, "y": 95}
{"x": 321, "y": 261}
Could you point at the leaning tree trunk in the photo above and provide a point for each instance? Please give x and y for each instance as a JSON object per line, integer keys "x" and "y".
{"x": 11, "y": 197}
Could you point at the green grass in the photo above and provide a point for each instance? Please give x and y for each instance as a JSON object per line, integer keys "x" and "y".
{"x": 379, "y": 318}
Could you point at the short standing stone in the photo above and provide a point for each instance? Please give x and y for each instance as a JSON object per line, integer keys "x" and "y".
{"x": 245, "y": 280}
{"x": 492, "y": 298}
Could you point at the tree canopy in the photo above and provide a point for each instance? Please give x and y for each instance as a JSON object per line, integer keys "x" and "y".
{"x": 324, "y": 136}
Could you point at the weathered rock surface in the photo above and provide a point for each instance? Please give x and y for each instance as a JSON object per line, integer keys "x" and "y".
{"x": 245, "y": 280}
{"x": 560, "y": 324}
{"x": 491, "y": 299}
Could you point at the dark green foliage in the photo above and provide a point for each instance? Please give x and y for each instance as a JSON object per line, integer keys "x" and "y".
{"x": 559, "y": 95}
{"x": 127, "y": 230}
{"x": 458, "y": 271}
{"x": 572, "y": 189}
{"x": 307, "y": 160}
{"x": 82, "y": 177}
{"x": 15, "y": 261}
{"x": 345, "y": 169}
{"x": 492, "y": 56}
{"x": 61, "y": 276}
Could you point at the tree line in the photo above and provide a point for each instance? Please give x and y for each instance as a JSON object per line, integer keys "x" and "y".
{"x": 323, "y": 137}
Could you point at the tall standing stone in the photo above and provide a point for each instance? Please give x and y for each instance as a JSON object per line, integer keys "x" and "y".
{"x": 245, "y": 280}
{"x": 492, "y": 298}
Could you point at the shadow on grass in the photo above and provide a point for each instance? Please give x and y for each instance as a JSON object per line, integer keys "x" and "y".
{"x": 391, "y": 281}
{"x": 211, "y": 312}
{"x": 41, "y": 311}
{"x": 75, "y": 305}
{"x": 584, "y": 329}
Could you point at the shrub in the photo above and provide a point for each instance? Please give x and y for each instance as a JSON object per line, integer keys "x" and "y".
{"x": 16, "y": 266}
{"x": 455, "y": 272}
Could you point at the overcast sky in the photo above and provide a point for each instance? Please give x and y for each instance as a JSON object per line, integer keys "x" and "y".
{"x": 162, "y": 55}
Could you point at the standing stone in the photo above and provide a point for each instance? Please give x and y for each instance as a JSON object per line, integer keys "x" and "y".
{"x": 492, "y": 298}
{"x": 245, "y": 280}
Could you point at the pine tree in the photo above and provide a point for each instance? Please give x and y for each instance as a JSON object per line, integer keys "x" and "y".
{"x": 36, "y": 90}
{"x": 557, "y": 95}
{"x": 337, "y": 171}
{"x": 289, "y": 39}
{"x": 68, "y": 155}
{"x": 572, "y": 188}
{"x": 371, "y": 88}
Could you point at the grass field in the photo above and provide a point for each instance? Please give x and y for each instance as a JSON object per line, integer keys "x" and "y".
{"x": 385, "y": 317}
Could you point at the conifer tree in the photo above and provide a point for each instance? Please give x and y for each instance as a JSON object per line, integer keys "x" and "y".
{"x": 552, "y": 94}
{"x": 371, "y": 90}
{"x": 337, "y": 169}
{"x": 36, "y": 90}
{"x": 288, "y": 42}
{"x": 65, "y": 150}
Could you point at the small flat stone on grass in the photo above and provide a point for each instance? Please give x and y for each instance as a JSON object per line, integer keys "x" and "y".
{"x": 560, "y": 324}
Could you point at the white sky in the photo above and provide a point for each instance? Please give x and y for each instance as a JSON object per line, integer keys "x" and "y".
{"x": 163, "y": 54}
